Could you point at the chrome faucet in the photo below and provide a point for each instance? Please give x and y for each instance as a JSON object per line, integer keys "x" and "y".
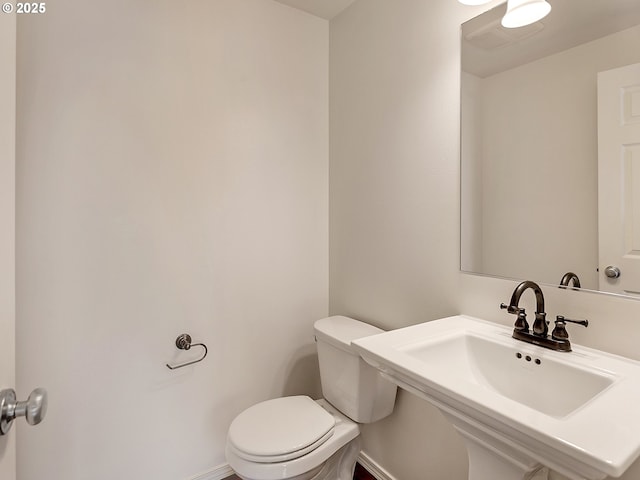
{"x": 559, "y": 338}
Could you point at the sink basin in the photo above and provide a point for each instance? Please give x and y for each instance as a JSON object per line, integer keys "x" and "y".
{"x": 548, "y": 385}
{"x": 575, "y": 412}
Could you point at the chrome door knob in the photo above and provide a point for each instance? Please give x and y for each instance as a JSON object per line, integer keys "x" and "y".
{"x": 33, "y": 409}
{"x": 612, "y": 272}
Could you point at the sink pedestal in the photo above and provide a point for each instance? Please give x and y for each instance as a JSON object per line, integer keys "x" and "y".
{"x": 491, "y": 458}
{"x": 484, "y": 464}
{"x": 495, "y": 455}
{"x": 491, "y": 455}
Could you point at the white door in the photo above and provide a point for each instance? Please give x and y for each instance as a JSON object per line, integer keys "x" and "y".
{"x": 619, "y": 179}
{"x": 7, "y": 228}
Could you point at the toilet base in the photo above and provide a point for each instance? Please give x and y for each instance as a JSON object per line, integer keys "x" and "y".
{"x": 339, "y": 466}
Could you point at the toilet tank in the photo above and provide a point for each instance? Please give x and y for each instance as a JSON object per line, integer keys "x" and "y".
{"x": 348, "y": 382}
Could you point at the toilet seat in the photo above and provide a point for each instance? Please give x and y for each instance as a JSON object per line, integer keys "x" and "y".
{"x": 280, "y": 429}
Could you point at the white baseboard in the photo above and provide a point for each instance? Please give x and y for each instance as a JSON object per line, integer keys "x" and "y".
{"x": 373, "y": 467}
{"x": 223, "y": 471}
{"x": 217, "y": 473}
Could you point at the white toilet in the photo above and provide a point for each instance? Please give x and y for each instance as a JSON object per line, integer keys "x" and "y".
{"x": 302, "y": 439}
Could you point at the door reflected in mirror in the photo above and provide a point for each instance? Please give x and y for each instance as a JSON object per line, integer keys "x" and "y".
{"x": 529, "y": 146}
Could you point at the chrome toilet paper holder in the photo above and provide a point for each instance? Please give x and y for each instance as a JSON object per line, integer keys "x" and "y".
{"x": 183, "y": 342}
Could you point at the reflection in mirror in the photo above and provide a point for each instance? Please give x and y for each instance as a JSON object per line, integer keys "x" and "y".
{"x": 529, "y": 142}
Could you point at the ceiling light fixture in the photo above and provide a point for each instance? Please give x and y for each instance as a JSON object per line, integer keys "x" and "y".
{"x": 519, "y": 12}
{"x": 524, "y": 12}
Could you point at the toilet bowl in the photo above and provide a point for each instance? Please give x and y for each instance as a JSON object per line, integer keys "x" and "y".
{"x": 298, "y": 438}
{"x": 288, "y": 452}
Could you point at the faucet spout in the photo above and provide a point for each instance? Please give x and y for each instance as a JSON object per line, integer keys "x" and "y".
{"x": 568, "y": 278}
{"x": 540, "y": 326}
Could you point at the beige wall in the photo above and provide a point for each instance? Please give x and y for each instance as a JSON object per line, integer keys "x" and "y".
{"x": 7, "y": 226}
{"x": 394, "y": 148}
{"x": 394, "y": 197}
{"x": 172, "y": 177}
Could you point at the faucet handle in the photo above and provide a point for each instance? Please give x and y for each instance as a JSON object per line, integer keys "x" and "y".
{"x": 560, "y": 318}
{"x": 521, "y": 322}
{"x": 511, "y": 308}
{"x": 560, "y": 332}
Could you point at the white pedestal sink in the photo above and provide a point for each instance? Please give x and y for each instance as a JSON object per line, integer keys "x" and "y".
{"x": 519, "y": 407}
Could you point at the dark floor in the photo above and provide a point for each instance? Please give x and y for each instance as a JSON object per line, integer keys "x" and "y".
{"x": 359, "y": 474}
{"x": 362, "y": 474}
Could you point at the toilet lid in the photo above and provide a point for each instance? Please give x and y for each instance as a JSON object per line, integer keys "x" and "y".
{"x": 280, "y": 429}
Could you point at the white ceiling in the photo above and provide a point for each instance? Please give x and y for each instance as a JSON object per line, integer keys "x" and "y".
{"x": 321, "y": 8}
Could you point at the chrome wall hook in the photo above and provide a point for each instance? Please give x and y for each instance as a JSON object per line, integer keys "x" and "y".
{"x": 183, "y": 342}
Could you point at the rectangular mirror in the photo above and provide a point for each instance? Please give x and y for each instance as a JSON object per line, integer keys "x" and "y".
{"x": 529, "y": 146}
